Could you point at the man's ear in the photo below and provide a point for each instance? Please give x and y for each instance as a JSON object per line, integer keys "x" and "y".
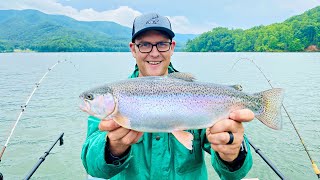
{"x": 173, "y": 45}
{"x": 132, "y": 49}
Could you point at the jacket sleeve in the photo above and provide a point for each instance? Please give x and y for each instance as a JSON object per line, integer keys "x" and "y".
{"x": 93, "y": 153}
{"x": 221, "y": 168}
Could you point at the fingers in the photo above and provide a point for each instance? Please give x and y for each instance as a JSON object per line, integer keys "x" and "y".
{"x": 119, "y": 138}
{"x": 243, "y": 115}
{"x": 132, "y": 137}
{"x": 234, "y": 123}
{"x": 139, "y": 135}
{"x": 108, "y": 125}
{"x": 118, "y": 133}
{"x": 118, "y": 144}
{"x": 129, "y": 138}
{"x": 226, "y": 125}
{"x": 226, "y": 149}
{"x": 223, "y": 138}
{"x": 219, "y": 137}
{"x": 227, "y": 152}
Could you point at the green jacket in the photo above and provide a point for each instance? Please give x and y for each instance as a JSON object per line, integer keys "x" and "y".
{"x": 156, "y": 156}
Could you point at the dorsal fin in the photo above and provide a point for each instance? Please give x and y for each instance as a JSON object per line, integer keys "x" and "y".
{"x": 183, "y": 76}
{"x": 237, "y": 87}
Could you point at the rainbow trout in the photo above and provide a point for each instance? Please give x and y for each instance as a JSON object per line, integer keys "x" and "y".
{"x": 177, "y": 102}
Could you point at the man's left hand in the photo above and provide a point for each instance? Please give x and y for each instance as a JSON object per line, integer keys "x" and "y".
{"x": 218, "y": 134}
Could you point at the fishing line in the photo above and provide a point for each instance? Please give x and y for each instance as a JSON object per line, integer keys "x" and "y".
{"x": 23, "y": 107}
{"x": 314, "y": 166}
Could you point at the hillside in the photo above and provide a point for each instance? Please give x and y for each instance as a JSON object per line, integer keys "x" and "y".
{"x": 36, "y": 31}
{"x": 298, "y": 33}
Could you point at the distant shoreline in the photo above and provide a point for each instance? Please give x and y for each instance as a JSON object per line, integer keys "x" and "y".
{"x": 311, "y": 48}
{"x": 35, "y": 52}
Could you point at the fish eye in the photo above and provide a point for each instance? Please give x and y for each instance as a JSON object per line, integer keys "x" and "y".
{"x": 89, "y": 96}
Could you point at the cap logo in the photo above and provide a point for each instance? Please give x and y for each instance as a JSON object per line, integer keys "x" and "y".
{"x": 153, "y": 20}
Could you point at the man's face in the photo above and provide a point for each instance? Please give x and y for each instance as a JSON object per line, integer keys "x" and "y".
{"x": 154, "y": 63}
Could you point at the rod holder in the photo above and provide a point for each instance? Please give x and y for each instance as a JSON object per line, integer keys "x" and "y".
{"x": 42, "y": 158}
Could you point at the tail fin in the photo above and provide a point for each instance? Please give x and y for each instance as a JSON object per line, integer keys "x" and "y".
{"x": 272, "y": 102}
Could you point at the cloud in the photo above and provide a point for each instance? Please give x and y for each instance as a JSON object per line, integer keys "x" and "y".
{"x": 49, "y": 6}
{"x": 195, "y": 17}
{"x": 123, "y": 15}
{"x": 182, "y": 24}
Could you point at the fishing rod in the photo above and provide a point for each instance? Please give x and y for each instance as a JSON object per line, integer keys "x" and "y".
{"x": 23, "y": 107}
{"x": 273, "y": 167}
{"x": 42, "y": 158}
{"x": 314, "y": 166}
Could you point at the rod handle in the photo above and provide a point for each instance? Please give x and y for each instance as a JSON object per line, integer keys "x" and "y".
{"x": 315, "y": 168}
{"x": 3, "y": 149}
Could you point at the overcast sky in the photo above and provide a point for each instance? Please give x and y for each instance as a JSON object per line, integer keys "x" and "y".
{"x": 194, "y": 16}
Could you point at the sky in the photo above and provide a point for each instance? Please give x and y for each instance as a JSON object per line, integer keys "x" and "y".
{"x": 187, "y": 17}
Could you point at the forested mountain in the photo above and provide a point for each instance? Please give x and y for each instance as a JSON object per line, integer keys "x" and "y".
{"x": 298, "y": 33}
{"x": 36, "y": 31}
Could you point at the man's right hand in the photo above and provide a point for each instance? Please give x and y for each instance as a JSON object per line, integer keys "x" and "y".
{"x": 119, "y": 138}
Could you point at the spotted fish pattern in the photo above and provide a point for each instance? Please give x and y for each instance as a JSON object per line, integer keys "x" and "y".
{"x": 177, "y": 102}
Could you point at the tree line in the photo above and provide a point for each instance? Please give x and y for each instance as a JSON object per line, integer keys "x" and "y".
{"x": 293, "y": 35}
{"x": 298, "y": 33}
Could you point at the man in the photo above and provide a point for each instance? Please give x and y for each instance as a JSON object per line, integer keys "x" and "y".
{"x": 112, "y": 151}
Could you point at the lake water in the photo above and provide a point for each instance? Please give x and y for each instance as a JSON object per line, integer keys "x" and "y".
{"x": 54, "y": 106}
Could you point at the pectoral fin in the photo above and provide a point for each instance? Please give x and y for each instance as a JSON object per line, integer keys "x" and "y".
{"x": 184, "y": 138}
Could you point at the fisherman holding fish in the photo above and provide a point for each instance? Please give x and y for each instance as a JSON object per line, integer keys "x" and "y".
{"x": 159, "y": 123}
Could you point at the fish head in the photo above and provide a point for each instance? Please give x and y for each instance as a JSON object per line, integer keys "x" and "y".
{"x": 98, "y": 102}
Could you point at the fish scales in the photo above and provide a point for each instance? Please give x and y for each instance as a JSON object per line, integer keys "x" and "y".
{"x": 166, "y": 104}
{"x": 163, "y": 104}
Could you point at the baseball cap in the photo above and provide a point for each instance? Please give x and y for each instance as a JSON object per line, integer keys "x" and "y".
{"x": 151, "y": 21}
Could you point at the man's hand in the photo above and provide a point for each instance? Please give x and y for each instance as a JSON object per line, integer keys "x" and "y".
{"x": 119, "y": 138}
{"x": 218, "y": 135}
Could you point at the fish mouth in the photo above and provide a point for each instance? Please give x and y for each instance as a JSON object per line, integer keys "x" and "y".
{"x": 85, "y": 106}
{"x": 97, "y": 107}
